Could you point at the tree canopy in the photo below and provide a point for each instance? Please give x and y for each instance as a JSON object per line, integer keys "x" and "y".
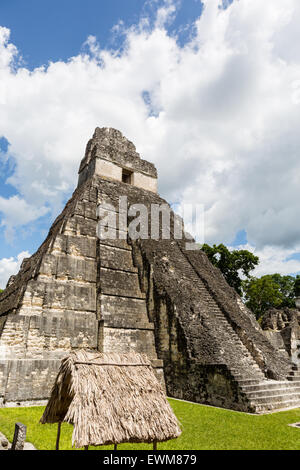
{"x": 269, "y": 291}
{"x": 259, "y": 294}
{"x": 297, "y": 286}
{"x": 233, "y": 264}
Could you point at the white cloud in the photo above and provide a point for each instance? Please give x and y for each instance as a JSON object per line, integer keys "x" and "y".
{"x": 8, "y": 51}
{"x": 10, "y": 266}
{"x": 273, "y": 260}
{"x": 17, "y": 212}
{"x": 166, "y": 13}
{"x": 225, "y": 129}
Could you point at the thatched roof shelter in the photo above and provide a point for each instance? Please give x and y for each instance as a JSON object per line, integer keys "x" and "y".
{"x": 110, "y": 399}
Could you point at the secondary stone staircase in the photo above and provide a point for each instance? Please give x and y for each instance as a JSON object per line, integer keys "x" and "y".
{"x": 270, "y": 395}
{"x": 262, "y": 393}
{"x": 243, "y": 366}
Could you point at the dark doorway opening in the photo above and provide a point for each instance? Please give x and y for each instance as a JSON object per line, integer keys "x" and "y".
{"x": 127, "y": 176}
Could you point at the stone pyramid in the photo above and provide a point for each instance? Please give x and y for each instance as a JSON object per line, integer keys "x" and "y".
{"x": 120, "y": 293}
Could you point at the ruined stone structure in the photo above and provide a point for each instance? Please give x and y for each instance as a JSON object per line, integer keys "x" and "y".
{"x": 282, "y": 328}
{"x": 119, "y": 294}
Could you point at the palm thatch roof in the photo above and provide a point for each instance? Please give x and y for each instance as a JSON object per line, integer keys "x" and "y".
{"x": 110, "y": 398}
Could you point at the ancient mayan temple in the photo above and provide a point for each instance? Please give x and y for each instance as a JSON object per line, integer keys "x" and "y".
{"x": 119, "y": 294}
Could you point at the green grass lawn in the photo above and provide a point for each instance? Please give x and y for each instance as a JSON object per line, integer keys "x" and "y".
{"x": 203, "y": 427}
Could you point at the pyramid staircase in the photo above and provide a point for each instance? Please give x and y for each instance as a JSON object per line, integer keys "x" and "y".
{"x": 262, "y": 393}
{"x": 270, "y": 395}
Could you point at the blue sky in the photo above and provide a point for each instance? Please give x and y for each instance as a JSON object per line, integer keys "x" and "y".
{"x": 191, "y": 83}
{"x": 56, "y": 30}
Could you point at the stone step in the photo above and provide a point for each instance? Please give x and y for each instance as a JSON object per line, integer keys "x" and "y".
{"x": 120, "y": 283}
{"x": 263, "y": 407}
{"x": 248, "y": 381}
{"x": 128, "y": 324}
{"x": 295, "y": 382}
{"x": 273, "y": 392}
{"x": 241, "y": 372}
{"x": 280, "y": 398}
{"x": 157, "y": 363}
{"x": 247, "y": 360}
{"x": 122, "y": 267}
{"x": 270, "y": 385}
{"x": 241, "y": 377}
{"x": 116, "y": 258}
{"x": 123, "y": 307}
{"x": 294, "y": 373}
{"x": 117, "y": 243}
{"x": 240, "y": 366}
{"x": 234, "y": 338}
{"x": 244, "y": 380}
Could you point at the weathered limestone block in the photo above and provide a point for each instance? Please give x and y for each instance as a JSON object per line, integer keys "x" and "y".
{"x": 116, "y": 243}
{"x": 81, "y": 270}
{"x": 108, "y": 169}
{"x": 145, "y": 181}
{"x": 122, "y": 340}
{"x": 125, "y": 308}
{"x": 78, "y": 225}
{"x": 116, "y": 258}
{"x": 28, "y": 380}
{"x": 59, "y": 294}
{"x": 282, "y": 328}
{"x": 48, "y": 265}
{"x": 14, "y": 336}
{"x": 110, "y": 202}
{"x": 120, "y": 283}
{"x": 276, "y": 339}
{"x": 61, "y": 334}
{"x": 111, "y": 219}
{"x": 49, "y": 335}
{"x": 33, "y": 298}
{"x": 75, "y": 245}
{"x": 86, "y": 209}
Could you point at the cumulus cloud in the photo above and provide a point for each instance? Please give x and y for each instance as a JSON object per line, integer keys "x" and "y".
{"x": 17, "y": 212}
{"x": 274, "y": 260}
{"x": 221, "y": 118}
{"x": 10, "y": 266}
{"x": 166, "y": 13}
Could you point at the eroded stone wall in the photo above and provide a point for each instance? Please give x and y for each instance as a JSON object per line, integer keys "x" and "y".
{"x": 75, "y": 292}
{"x": 121, "y": 302}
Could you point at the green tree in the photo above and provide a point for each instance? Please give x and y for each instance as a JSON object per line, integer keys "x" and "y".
{"x": 297, "y": 286}
{"x": 262, "y": 294}
{"x": 269, "y": 291}
{"x": 233, "y": 264}
{"x": 287, "y": 289}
